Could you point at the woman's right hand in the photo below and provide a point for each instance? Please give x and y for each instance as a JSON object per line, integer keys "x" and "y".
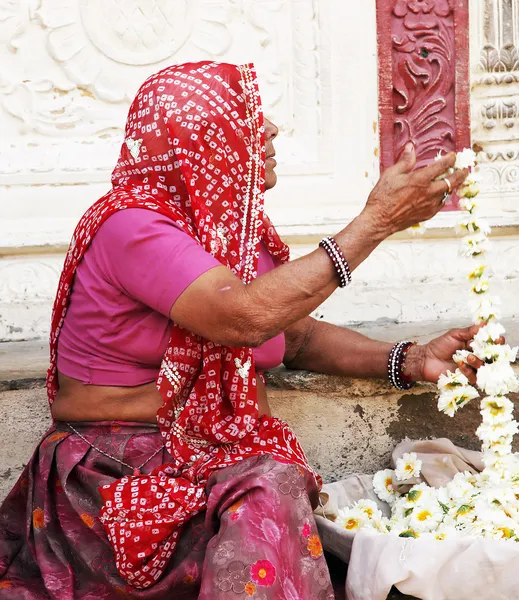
{"x": 405, "y": 196}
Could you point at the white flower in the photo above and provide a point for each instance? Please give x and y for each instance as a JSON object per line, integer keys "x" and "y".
{"x": 418, "y": 229}
{"x": 485, "y": 309}
{"x": 370, "y": 509}
{"x": 480, "y": 287}
{"x": 495, "y": 352}
{"x": 458, "y": 491}
{"x": 461, "y": 357}
{"x": 465, "y": 159}
{"x": 484, "y": 346}
{"x": 468, "y": 204}
{"x": 408, "y": 466}
{"x": 472, "y": 177}
{"x": 426, "y": 517}
{"x": 478, "y": 272}
{"x": 496, "y": 409}
{"x": 502, "y": 447}
{"x": 383, "y": 486}
{"x": 450, "y": 381}
{"x": 418, "y": 495}
{"x": 497, "y": 432}
{"x": 474, "y": 245}
{"x": 472, "y": 224}
{"x": 351, "y": 519}
{"x": 451, "y": 400}
{"x": 469, "y": 190}
{"x": 446, "y": 532}
{"x": 490, "y": 333}
{"x": 497, "y": 379}
{"x": 501, "y": 353}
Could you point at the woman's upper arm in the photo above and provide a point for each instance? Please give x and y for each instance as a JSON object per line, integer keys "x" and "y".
{"x": 151, "y": 260}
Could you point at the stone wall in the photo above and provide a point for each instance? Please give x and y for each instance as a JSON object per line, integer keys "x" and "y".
{"x": 67, "y": 78}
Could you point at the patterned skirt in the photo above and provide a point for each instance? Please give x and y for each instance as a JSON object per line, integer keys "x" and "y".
{"x": 256, "y": 539}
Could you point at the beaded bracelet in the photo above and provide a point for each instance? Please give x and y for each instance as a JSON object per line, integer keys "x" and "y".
{"x": 339, "y": 261}
{"x": 396, "y": 366}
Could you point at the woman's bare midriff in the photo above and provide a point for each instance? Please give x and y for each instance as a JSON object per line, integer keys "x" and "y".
{"x": 78, "y": 402}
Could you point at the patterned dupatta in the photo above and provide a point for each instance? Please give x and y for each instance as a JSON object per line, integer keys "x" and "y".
{"x": 195, "y": 152}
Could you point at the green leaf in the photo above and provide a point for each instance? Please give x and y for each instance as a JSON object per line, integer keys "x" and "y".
{"x": 409, "y": 533}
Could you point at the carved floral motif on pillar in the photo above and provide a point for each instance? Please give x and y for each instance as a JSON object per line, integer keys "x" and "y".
{"x": 423, "y": 77}
{"x": 495, "y": 96}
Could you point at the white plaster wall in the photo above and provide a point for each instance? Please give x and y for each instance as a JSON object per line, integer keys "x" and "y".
{"x": 70, "y": 69}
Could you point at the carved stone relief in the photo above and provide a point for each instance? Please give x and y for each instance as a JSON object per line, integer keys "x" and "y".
{"x": 495, "y": 104}
{"x": 423, "y": 62}
{"x": 93, "y": 54}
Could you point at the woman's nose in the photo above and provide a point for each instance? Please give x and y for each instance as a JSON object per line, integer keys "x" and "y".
{"x": 271, "y": 130}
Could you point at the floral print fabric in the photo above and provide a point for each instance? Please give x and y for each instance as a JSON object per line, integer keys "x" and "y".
{"x": 257, "y": 539}
{"x": 267, "y": 546}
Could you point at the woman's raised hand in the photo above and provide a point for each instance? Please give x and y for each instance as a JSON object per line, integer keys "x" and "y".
{"x": 405, "y": 196}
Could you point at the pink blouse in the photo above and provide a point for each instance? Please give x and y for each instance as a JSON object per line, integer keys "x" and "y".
{"x": 117, "y": 325}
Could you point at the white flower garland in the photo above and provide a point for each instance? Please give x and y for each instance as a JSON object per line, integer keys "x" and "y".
{"x": 485, "y": 504}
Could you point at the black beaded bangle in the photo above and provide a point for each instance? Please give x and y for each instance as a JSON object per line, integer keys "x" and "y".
{"x": 339, "y": 261}
{"x": 396, "y": 362}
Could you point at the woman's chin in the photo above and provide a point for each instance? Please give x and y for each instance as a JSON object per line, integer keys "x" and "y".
{"x": 270, "y": 179}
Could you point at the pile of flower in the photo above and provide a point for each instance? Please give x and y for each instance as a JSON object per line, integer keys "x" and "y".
{"x": 484, "y": 504}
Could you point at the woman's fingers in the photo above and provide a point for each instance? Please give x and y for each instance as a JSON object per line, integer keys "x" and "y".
{"x": 474, "y": 361}
{"x": 469, "y": 373}
{"x": 437, "y": 168}
{"x": 440, "y": 188}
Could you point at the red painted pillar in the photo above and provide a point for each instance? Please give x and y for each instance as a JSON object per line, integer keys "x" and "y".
{"x": 424, "y": 89}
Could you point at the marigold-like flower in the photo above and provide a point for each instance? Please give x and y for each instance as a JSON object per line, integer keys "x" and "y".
{"x": 314, "y": 546}
{"x": 87, "y": 520}
{"x": 38, "y": 518}
{"x": 263, "y": 573}
{"x": 250, "y": 589}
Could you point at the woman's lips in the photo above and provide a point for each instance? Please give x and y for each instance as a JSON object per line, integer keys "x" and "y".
{"x": 271, "y": 162}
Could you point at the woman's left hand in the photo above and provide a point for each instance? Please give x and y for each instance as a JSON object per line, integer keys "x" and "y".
{"x": 435, "y": 357}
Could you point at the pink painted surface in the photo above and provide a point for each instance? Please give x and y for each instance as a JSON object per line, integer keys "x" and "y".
{"x": 423, "y": 51}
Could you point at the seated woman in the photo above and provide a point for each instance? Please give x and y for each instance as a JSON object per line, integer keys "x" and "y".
{"x": 164, "y": 474}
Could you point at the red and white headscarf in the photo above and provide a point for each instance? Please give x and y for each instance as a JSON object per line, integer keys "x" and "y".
{"x": 194, "y": 151}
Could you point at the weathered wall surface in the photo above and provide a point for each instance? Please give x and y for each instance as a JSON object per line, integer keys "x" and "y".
{"x": 70, "y": 69}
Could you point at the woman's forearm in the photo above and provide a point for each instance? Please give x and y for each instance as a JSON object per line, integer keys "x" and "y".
{"x": 291, "y": 292}
{"x": 334, "y": 350}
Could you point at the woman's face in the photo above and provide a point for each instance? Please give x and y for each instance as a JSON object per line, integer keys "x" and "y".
{"x": 271, "y": 132}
